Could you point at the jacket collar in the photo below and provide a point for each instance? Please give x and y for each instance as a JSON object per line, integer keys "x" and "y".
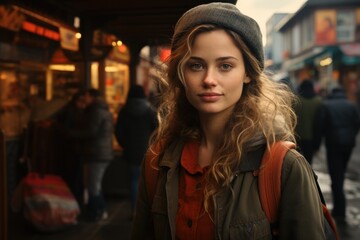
{"x": 174, "y": 150}
{"x": 250, "y": 161}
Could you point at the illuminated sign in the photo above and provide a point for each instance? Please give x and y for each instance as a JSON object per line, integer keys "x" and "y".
{"x": 68, "y": 39}
{"x": 41, "y": 31}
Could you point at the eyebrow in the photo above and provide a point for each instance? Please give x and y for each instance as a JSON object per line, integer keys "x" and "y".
{"x": 218, "y": 59}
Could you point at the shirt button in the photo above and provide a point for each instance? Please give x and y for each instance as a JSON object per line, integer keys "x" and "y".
{"x": 189, "y": 223}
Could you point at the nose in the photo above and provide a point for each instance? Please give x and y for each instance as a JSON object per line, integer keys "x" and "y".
{"x": 209, "y": 78}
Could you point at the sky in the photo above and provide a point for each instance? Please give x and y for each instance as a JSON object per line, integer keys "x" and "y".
{"x": 262, "y": 10}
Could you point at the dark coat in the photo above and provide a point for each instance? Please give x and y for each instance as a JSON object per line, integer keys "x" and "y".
{"x": 305, "y": 110}
{"x": 135, "y": 124}
{"x": 338, "y": 120}
{"x": 95, "y": 133}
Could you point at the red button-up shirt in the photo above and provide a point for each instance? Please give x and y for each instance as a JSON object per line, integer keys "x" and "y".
{"x": 192, "y": 222}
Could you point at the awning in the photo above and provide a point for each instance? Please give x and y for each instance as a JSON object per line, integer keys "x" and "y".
{"x": 350, "y": 60}
{"x": 300, "y": 61}
{"x": 351, "y": 49}
{"x": 351, "y": 53}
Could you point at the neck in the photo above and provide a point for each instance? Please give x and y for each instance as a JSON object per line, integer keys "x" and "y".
{"x": 213, "y": 129}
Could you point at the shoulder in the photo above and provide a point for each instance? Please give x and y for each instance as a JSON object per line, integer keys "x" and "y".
{"x": 154, "y": 150}
{"x": 294, "y": 159}
{"x": 165, "y": 154}
{"x": 153, "y": 154}
{"x": 295, "y": 166}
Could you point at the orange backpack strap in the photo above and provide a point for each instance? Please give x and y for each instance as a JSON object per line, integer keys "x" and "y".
{"x": 270, "y": 178}
{"x": 270, "y": 187}
{"x": 331, "y": 231}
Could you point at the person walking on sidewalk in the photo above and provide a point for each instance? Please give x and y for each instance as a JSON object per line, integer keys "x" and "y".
{"x": 338, "y": 121}
{"x": 305, "y": 109}
{"x": 95, "y": 137}
{"x": 68, "y": 119}
{"x": 221, "y": 111}
{"x": 135, "y": 123}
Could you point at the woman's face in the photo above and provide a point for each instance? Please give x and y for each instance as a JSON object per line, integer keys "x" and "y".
{"x": 215, "y": 73}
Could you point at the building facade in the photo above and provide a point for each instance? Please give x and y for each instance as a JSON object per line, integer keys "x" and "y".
{"x": 274, "y": 46}
{"x": 322, "y": 42}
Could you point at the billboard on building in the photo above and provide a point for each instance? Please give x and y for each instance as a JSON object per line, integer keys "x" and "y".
{"x": 325, "y": 27}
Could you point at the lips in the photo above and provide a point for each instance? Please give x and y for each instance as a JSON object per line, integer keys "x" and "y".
{"x": 210, "y": 97}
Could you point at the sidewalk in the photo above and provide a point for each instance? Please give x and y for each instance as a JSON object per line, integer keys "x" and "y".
{"x": 352, "y": 190}
{"x": 116, "y": 227}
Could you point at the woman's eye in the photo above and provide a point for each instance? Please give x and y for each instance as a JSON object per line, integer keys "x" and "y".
{"x": 195, "y": 66}
{"x": 225, "y": 67}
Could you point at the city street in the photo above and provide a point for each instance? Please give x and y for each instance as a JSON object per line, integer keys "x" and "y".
{"x": 67, "y": 71}
{"x": 352, "y": 190}
{"x": 119, "y": 223}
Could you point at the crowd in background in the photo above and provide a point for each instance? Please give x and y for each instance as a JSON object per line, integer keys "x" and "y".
{"x": 334, "y": 120}
{"x": 85, "y": 127}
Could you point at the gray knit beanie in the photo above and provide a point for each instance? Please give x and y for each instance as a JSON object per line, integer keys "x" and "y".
{"x": 225, "y": 15}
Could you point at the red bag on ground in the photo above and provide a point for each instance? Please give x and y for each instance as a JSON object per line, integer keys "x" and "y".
{"x": 46, "y": 201}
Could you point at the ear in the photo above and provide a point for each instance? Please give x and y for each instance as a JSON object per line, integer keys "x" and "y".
{"x": 247, "y": 79}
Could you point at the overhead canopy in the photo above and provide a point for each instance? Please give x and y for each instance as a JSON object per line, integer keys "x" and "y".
{"x": 139, "y": 20}
{"x": 348, "y": 54}
{"x": 300, "y": 61}
{"x": 351, "y": 53}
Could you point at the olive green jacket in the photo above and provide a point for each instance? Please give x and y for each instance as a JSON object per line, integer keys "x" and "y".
{"x": 237, "y": 216}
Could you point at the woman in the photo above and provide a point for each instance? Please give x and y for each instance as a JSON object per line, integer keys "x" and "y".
{"x": 223, "y": 111}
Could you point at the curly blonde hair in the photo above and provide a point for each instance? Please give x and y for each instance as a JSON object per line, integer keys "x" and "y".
{"x": 262, "y": 115}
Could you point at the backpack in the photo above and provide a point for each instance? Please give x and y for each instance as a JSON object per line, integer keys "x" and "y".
{"x": 270, "y": 188}
{"x": 269, "y": 181}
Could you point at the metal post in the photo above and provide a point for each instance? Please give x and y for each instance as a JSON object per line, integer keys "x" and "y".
{"x": 86, "y": 43}
{"x": 3, "y": 189}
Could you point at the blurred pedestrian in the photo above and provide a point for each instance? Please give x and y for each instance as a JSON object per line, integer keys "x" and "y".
{"x": 14, "y": 122}
{"x": 71, "y": 118}
{"x": 338, "y": 121}
{"x": 135, "y": 123}
{"x": 219, "y": 111}
{"x": 71, "y": 114}
{"x": 95, "y": 137}
{"x": 305, "y": 109}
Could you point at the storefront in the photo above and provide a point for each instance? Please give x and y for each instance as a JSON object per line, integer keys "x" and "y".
{"x": 33, "y": 67}
{"x": 110, "y": 74}
{"x": 64, "y": 76}
{"x": 327, "y": 76}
